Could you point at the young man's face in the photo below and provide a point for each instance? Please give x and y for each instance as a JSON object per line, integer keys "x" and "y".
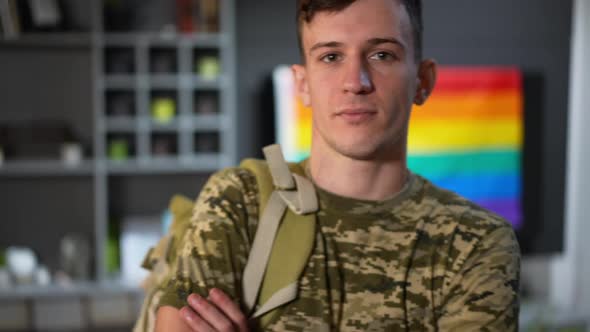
{"x": 359, "y": 77}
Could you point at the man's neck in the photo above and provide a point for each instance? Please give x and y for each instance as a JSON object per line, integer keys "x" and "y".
{"x": 376, "y": 179}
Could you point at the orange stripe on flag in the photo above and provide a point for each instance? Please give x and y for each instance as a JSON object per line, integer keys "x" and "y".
{"x": 470, "y": 105}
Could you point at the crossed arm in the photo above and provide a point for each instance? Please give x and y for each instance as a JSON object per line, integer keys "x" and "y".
{"x": 487, "y": 298}
{"x": 215, "y": 313}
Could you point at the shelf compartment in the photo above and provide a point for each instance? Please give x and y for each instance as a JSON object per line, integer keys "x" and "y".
{"x": 120, "y": 104}
{"x": 119, "y": 60}
{"x": 207, "y": 63}
{"x": 206, "y": 102}
{"x": 163, "y": 105}
{"x": 120, "y": 147}
{"x": 163, "y": 60}
{"x": 206, "y": 142}
{"x": 164, "y": 145}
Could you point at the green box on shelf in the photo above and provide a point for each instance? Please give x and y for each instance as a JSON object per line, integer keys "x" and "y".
{"x": 208, "y": 67}
{"x": 119, "y": 149}
{"x": 163, "y": 109}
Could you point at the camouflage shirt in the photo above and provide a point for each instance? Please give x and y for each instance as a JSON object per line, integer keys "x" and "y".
{"x": 423, "y": 260}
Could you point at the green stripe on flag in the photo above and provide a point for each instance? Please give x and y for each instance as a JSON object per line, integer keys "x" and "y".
{"x": 465, "y": 163}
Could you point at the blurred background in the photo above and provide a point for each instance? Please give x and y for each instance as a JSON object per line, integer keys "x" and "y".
{"x": 109, "y": 107}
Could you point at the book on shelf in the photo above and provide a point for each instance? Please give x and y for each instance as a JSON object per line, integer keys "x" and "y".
{"x": 197, "y": 16}
{"x": 186, "y": 11}
{"x": 209, "y": 15}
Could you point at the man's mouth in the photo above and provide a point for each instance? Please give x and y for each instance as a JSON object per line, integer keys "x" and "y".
{"x": 355, "y": 116}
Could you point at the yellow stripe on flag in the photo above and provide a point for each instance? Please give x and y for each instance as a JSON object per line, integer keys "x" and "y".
{"x": 462, "y": 135}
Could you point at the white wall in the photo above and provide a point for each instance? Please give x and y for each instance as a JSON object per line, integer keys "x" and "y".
{"x": 570, "y": 272}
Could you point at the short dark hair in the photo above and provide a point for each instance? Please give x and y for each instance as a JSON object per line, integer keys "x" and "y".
{"x": 306, "y": 10}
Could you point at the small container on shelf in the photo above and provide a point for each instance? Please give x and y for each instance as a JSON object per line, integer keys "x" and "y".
{"x": 206, "y": 142}
{"x": 119, "y": 60}
{"x": 164, "y": 144}
{"x": 207, "y": 63}
{"x": 120, "y": 146}
{"x": 72, "y": 153}
{"x": 163, "y": 60}
{"x": 163, "y": 106}
{"x": 205, "y": 102}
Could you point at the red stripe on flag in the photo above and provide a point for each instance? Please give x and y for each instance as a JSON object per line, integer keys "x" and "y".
{"x": 459, "y": 80}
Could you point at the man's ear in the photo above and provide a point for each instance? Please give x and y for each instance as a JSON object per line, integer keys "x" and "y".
{"x": 301, "y": 84}
{"x": 426, "y": 81}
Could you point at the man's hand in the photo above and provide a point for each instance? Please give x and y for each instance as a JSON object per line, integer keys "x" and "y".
{"x": 215, "y": 313}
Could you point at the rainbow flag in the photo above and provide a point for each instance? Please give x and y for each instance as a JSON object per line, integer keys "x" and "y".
{"x": 468, "y": 137}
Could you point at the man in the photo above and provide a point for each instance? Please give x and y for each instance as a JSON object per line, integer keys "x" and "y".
{"x": 393, "y": 252}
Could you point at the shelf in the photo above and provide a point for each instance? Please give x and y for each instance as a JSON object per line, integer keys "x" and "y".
{"x": 205, "y": 122}
{"x": 209, "y": 122}
{"x": 167, "y": 165}
{"x": 83, "y": 289}
{"x": 45, "y": 168}
{"x": 52, "y": 39}
{"x": 198, "y": 40}
{"x": 198, "y": 82}
{"x": 161, "y": 81}
{"x": 173, "y": 125}
{"x": 120, "y": 81}
{"x": 201, "y": 122}
{"x": 120, "y": 123}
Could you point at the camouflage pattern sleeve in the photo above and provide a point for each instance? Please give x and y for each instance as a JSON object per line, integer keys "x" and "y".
{"x": 483, "y": 296}
{"x": 215, "y": 247}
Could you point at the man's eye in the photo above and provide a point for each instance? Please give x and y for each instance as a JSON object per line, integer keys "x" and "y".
{"x": 330, "y": 57}
{"x": 382, "y": 56}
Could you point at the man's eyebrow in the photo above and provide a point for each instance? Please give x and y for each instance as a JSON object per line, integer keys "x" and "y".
{"x": 391, "y": 40}
{"x": 372, "y": 41}
{"x": 325, "y": 44}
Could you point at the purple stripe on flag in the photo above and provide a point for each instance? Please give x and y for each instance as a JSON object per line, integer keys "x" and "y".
{"x": 507, "y": 208}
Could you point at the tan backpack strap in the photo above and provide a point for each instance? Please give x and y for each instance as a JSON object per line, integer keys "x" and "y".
{"x": 279, "y": 169}
{"x": 280, "y": 297}
{"x": 303, "y": 200}
{"x": 297, "y": 193}
{"x": 261, "y": 249}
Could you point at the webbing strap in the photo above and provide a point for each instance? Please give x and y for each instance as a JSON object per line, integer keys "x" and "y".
{"x": 279, "y": 170}
{"x": 303, "y": 200}
{"x": 293, "y": 191}
{"x": 282, "y": 296}
{"x": 261, "y": 248}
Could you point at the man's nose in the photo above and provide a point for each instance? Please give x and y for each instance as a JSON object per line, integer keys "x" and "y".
{"x": 357, "y": 78}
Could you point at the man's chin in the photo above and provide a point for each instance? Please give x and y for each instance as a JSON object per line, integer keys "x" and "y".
{"x": 358, "y": 150}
